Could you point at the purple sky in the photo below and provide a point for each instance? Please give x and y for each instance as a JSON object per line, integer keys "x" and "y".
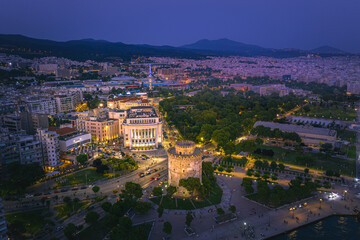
{"x": 304, "y": 24}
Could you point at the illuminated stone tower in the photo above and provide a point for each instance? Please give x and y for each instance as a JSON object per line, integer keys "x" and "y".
{"x": 185, "y": 160}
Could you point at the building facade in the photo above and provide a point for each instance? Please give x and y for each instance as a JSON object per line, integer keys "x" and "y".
{"x": 50, "y": 148}
{"x": 311, "y": 136}
{"x": 68, "y": 102}
{"x": 142, "y": 129}
{"x": 70, "y": 142}
{"x": 125, "y": 103}
{"x": 185, "y": 160}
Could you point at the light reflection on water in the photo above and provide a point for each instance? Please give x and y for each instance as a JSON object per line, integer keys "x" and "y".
{"x": 332, "y": 228}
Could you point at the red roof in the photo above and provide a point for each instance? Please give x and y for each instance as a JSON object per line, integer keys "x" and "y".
{"x": 65, "y": 131}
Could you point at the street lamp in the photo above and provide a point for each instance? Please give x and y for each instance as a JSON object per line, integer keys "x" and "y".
{"x": 320, "y": 203}
{"x": 345, "y": 192}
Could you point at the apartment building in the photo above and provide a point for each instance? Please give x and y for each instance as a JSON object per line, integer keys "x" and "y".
{"x": 50, "y": 148}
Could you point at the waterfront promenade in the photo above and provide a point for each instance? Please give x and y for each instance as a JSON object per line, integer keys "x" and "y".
{"x": 256, "y": 221}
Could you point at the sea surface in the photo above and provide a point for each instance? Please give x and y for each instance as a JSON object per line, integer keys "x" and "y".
{"x": 331, "y": 228}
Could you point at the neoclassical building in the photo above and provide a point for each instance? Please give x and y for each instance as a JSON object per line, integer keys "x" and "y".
{"x": 142, "y": 129}
{"x": 185, "y": 160}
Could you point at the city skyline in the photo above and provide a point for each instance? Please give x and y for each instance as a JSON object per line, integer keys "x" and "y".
{"x": 304, "y": 25}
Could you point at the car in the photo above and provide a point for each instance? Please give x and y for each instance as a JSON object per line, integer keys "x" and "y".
{"x": 74, "y": 189}
{"x": 151, "y": 179}
{"x": 158, "y": 175}
{"x": 156, "y": 178}
{"x": 29, "y": 196}
{"x": 83, "y": 187}
{"x": 64, "y": 190}
{"x": 48, "y": 193}
{"x": 56, "y": 191}
{"x": 141, "y": 174}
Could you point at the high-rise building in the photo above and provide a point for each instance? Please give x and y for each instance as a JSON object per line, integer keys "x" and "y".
{"x": 41, "y": 105}
{"x": 99, "y": 125}
{"x": 68, "y": 102}
{"x": 30, "y": 149}
{"x": 50, "y": 148}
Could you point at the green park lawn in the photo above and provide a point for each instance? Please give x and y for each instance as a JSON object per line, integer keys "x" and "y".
{"x": 66, "y": 210}
{"x": 81, "y": 177}
{"x": 347, "y": 135}
{"x": 28, "y": 224}
{"x": 352, "y": 152}
{"x": 329, "y": 112}
{"x": 321, "y": 161}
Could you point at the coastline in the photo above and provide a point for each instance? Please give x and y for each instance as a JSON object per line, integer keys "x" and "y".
{"x": 309, "y": 223}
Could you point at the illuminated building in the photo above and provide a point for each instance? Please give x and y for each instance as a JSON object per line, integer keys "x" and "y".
{"x": 50, "y": 148}
{"x": 185, "y": 160}
{"x": 142, "y": 129}
{"x": 125, "y": 103}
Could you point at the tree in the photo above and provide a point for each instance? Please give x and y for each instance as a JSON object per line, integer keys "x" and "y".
{"x": 281, "y": 167}
{"x": 191, "y": 184}
{"x": 170, "y": 190}
{"x": 273, "y": 165}
{"x": 70, "y": 230}
{"x": 123, "y": 230}
{"x": 220, "y": 211}
{"x": 82, "y": 159}
{"x": 259, "y": 141}
{"x": 246, "y": 146}
{"x": 326, "y": 147}
{"x": 110, "y": 221}
{"x": 306, "y": 171}
{"x": 142, "y": 207}
{"x": 189, "y": 218}
{"x": 160, "y": 211}
{"x": 106, "y": 206}
{"x": 19, "y": 177}
{"x": 132, "y": 190}
{"x": 232, "y": 208}
{"x": 91, "y": 217}
{"x": 167, "y": 228}
{"x": 157, "y": 191}
{"x": 96, "y": 189}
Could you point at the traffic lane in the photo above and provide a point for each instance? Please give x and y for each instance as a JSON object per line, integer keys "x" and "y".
{"x": 105, "y": 187}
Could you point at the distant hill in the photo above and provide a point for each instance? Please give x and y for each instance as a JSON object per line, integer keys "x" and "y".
{"x": 228, "y": 47}
{"x": 328, "y": 50}
{"x": 223, "y": 45}
{"x": 103, "y": 50}
{"x": 84, "y": 49}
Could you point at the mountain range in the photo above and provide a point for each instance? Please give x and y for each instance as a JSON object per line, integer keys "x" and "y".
{"x": 103, "y": 50}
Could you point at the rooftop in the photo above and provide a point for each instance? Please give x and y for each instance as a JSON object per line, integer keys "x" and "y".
{"x": 65, "y": 131}
{"x": 297, "y": 128}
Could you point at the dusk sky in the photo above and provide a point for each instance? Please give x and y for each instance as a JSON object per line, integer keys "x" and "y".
{"x": 304, "y": 24}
